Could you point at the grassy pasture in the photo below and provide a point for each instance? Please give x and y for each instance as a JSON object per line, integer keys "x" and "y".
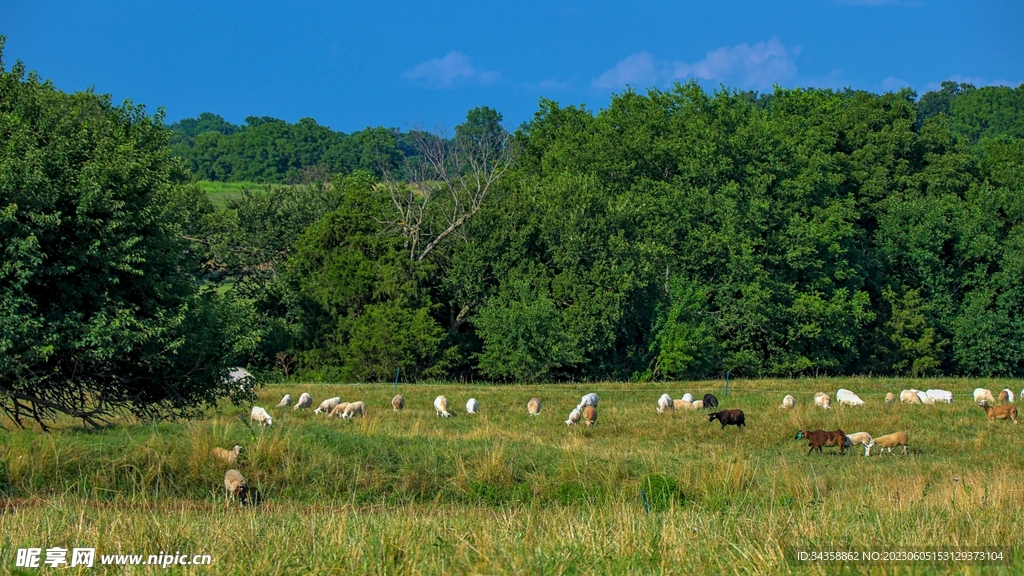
{"x": 504, "y": 492}
{"x": 220, "y": 192}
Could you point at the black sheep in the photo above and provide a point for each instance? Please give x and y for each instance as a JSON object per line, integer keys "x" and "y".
{"x": 710, "y": 401}
{"x": 727, "y": 417}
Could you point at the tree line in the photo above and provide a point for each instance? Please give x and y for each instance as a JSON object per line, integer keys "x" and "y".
{"x": 673, "y": 234}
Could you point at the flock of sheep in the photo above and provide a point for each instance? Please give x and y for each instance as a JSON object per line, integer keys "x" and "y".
{"x": 237, "y": 488}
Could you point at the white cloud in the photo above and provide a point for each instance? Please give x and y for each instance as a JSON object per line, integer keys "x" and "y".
{"x": 758, "y": 66}
{"x": 893, "y": 84}
{"x": 453, "y": 70}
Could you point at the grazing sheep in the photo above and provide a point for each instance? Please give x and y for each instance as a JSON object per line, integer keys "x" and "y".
{"x": 859, "y": 438}
{"x": 226, "y": 456}
{"x": 665, "y": 403}
{"x": 910, "y": 397}
{"x": 891, "y": 440}
{"x": 574, "y": 417}
{"x": 847, "y": 398}
{"x": 940, "y": 395}
{"x": 285, "y": 402}
{"x": 925, "y": 399}
{"x": 472, "y": 406}
{"x": 588, "y": 400}
{"x": 338, "y": 410}
{"x": 1004, "y": 412}
{"x": 822, "y": 399}
{"x": 1006, "y": 395}
{"x": 590, "y": 415}
{"x": 984, "y": 394}
{"x": 236, "y": 487}
{"x": 710, "y": 401}
{"x": 787, "y": 402}
{"x": 441, "y": 407}
{"x": 260, "y": 416}
{"x": 728, "y": 417}
{"x": 819, "y": 438}
{"x": 682, "y": 404}
{"x": 697, "y": 405}
{"x": 533, "y": 407}
{"x": 327, "y": 405}
{"x": 688, "y": 397}
{"x": 890, "y": 397}
{"x": 305, "y": 401}
{"x": 352, "y": 409}
{"x": 398, "y": 402}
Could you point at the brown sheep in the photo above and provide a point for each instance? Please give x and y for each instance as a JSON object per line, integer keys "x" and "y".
{"x": 338, "y": 410}
{"x": 1004, "y": 412}
{"x": 226, "y": 456}
{"x": 590, "y": 415}
{"x": 533, "y": 407}
{"x": 728, "y": 417}
{"x": 819, "y": 438}
{"x": 891, "y": 440}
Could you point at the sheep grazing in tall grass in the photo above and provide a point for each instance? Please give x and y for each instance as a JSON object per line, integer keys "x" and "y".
{"x": 859, "y": 438}
{"x": 260, "y": 416}
{"x": 441, "y": 407}
{"x": 682, "y": 404}
{"x": 327, "y": 405}
{"x": 697, "y": 405}
{"x": 353, "y": 409}
{"x": 816, "y": 439}
{"x": 472, "y": 406}
{"x": 1006, "y": 395}
{"x": 940, "y": 395}
{"x": 984, "y": 394}
{"x": 890, "y": 397}
{"x": 588, "y": 400}
{"x": 226, "y": 456}
{"x": 688, "y": 397}
{"x": 665, "y": 403}
{"x": 1003, "y": 412}
{"x": 398, "y": 402}
{"x": 823, "y": 400}
{"x": 236, "y": 487}
{"x": 285, "y": 402}
{"x": 338, "y": 410}
{"x": 574, "y": 417}
{"x": 728, "y": 418}
{"x": 533, "y": 406}
{"x": 847, "y": 398}
{"x": 590, "y": 415}
{"x": 910, "y": 397}
{"x": 925, "y": 398}
{"x": 890, "y": 441}
{"x": 787, "y": 402}
{"x": 710, "y": 401}
{"x": 305, "y": 401}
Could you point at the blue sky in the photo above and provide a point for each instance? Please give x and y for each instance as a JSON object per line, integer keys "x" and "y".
{"x": 355, "y": 64}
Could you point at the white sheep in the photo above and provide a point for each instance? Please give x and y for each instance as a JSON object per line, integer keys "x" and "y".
{"x": 688, "y": 397}
{"x": 1006, "y": 395}
{"x": 682, "y": 404}
{"x": 847, "y": 398}
{"x": 574, "y": 417}
{"x": 305, "y": 401}
{"x": 823, "y": 400}
{"x": 472, "y": 406}
{"x": 285, "y": 402}
{"x": 338, "y": 411}
{"x": 441, "y": 407}
{"x": 983, "y": 394}
{"x": 665, "y": 403}
{"x": 925, "y": 398}
{"x": 260, "y": 416}
{"x": 697, "y": 405}
{"x": 352, "y": 409}
{"x": 940, "y": 395}
{"x": 787, "y": 402}
{"x": 859, "y": 438}
{"x": 588, "y": 400}
{"x": 910, "y": 396}
{"x": 235, "y": 486}
{"x": 327, "y": 405}
{"x": 533, "y": 406}
{"x": 226, "y": 456}
{"x": 398, "y": 402}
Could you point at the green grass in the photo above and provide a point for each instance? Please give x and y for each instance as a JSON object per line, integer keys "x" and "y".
{"x": 220, "y": 192}
{"x": 504, "y": 492}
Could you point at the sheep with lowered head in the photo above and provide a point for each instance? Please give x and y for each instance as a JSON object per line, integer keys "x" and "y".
{"x": 588, "y": 400}
{"x": 226, "y": 456}
{"x": 940, "y": 395}
{"x": 398, "y": 402}
{"x": 352, "y": 409}
{"x": 338, "y": 410}
{"x": 1006, "y": 395}
{"x": 305, "y": 401}
{"x": 441, "y": 407}
{"x": 697, "y": 405}
{"x": 910, "y": 397}
{"x": 574, "y": 417}
{"x": 890, "y": 397}
{"x": 822, "y": 399}
{"x": 847, "y": 398}
{"x": 682, "y": 404}
{"x": 665, "y": 403}
{"x": 787, "y": 402}
{"x": 260, "y": 416}
{"x": 237, "y": 488}
{"x": 285, "y": 402}
{"x": 590, "y": 415}
{"x": 533, "y": 406}
{"x": 925, "y": 399}
{"x": 327, "y": 405}
{"x": 472, "y": 406}
{"x": 984, "y": 394}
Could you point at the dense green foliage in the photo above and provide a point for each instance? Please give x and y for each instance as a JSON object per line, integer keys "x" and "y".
{"x": 98, "y": 301}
